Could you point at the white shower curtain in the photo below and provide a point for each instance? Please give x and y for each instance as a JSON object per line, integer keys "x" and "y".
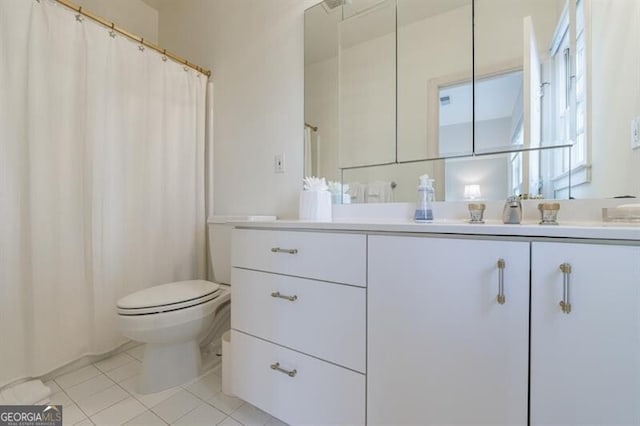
{"x": 101, "y": 182}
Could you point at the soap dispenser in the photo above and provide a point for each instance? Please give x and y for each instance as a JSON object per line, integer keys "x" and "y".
{"x": 424, "y": 211}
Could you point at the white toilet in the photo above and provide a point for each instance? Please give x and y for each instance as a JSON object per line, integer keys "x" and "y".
{"x": 172, "y": 318}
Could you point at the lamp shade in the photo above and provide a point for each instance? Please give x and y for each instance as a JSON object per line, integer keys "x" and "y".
{"x": 472, "y": 192}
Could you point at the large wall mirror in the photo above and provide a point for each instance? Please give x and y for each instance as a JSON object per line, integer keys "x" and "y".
{"x": 492, "y": 98}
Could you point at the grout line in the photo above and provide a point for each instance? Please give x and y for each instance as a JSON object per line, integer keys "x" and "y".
{"x": 193, "y": 409}
{"x": 73, "y": 371}
{"x": 101, "y": 410}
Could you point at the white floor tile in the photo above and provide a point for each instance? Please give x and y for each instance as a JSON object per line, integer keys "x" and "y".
{"x": 71, "y": 414}
{"x": 90, "y": 387}
{"x": 206, "y": 387}
{"x": 224, "y": 403}
{"x": 101, "y": 400}
{"x": 275, "y": 422}
{"x": 115, "y": 361}
{"x": 176, "y": 406}
{"x": 65, "y": 381}
{"x": 119, "y": 413}
{"x": 60, "y": 398}
{"x": 149, "y": 399}
{"x": 203, "y": 374}
{"x": 137, "y": 352}
{"x": 204, "y": 415}
{"x": 125, "y": 371}
{"x": 51, "y": 384}
{"x": 249, "y": 415}
{"x": 230, "y": 421}
{"x": 85, "y": 422}
{"x": 148, "y": 418}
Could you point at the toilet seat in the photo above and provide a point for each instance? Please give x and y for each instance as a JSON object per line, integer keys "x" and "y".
{"x": 168, "y": 297}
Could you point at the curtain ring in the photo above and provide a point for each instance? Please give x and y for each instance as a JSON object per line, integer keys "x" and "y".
{"x": 79, "y": 17}
{"x": 112, "y": 32}
{"x": 164, "y": 55}
{"x": 186, "y": 65}
{"x": 141, "y": 47}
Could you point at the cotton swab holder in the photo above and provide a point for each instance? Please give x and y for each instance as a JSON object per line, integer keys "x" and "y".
{"x": 315, "y": 205}
{"x": 315, "y": 200}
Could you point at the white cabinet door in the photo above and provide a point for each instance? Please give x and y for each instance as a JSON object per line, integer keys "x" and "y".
{"x": 441, "y": 349}
{"x": 326, "y": 256}
{"x": 324, "y": 320}
{"x": 585, "y": 364}
{"x": 296, "y": 388}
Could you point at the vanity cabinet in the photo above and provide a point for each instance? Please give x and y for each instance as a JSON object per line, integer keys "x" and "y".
{"x": 298, "y": 323}
{"x": 585, "y": 361}
{"x": 442, "y": 349}
{"x": 383, "y": 328}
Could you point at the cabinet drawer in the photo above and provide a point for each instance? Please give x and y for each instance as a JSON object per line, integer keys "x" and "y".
{"x": 318, "y": 393}
{"x": 325, "y": 320}
{"x": 324, "y": 256}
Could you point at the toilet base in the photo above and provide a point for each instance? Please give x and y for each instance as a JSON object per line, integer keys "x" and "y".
{"x": 167, "y": 365}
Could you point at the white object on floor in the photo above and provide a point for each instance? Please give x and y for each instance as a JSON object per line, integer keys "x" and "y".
{"x": 28, "y": 393}
{"x": 226, "y": 363}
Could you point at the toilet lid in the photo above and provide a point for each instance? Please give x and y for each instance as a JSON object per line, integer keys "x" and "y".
{"x": 169, "y": 294}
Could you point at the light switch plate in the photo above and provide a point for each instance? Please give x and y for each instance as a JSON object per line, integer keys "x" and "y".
{"x": 635, "y": 133}
{"x": 278, "y": 163}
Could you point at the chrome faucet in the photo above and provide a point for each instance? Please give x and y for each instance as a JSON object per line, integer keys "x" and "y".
{"x": 512, "y": 211}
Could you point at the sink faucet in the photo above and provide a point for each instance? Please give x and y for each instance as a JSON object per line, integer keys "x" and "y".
{"x": 512, "y": 211}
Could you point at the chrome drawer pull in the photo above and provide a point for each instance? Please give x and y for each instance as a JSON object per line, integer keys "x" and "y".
{"x": 277, "y": 367}
{"x": 565, "y": 303}
{"x": 282, "y": 296}
{"x": 501, "y": 265}
{"x": 281, "y": 250}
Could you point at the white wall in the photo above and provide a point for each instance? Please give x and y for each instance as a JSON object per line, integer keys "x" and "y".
{"x": 134, "y": 16}
{"x": 255, "y": 49}
{"x": 428, "y": 49}
{"x": 367, "y": 93}
{"x": 615, "y": 99}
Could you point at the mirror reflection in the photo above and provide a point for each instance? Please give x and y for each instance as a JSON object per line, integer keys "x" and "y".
{"x": 556, "y": 91}
{"x": 367, "y": 84}
{"x": 434, "y": 53}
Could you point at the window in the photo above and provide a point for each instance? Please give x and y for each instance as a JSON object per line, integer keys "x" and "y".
{"x": 569, "y": 92}
{"x": 516, "y": 162}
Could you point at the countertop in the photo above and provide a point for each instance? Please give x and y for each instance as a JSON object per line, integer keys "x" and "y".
{"x": 575, "y": 230}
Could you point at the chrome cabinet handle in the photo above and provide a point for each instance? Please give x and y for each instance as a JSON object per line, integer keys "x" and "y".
{"x": 565, "y": 303}
{"x": 282, "y": 296}
{"x": 277, "y": 367}
{"x": 281, "y": 250}
{"x": 501, "y": 265}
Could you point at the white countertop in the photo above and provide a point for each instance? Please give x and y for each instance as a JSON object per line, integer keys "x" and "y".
{"x": 588, "y": 230}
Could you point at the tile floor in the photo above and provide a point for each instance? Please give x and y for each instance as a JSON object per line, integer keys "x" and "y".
{"x": 104, "y": 394}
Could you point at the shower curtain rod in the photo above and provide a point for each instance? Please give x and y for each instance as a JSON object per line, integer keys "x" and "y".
{"x": 314, "y": 128}
{"x": 112, "y": 26}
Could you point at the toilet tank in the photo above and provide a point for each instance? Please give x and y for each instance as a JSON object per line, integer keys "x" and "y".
{"x": 219, "y": 230}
